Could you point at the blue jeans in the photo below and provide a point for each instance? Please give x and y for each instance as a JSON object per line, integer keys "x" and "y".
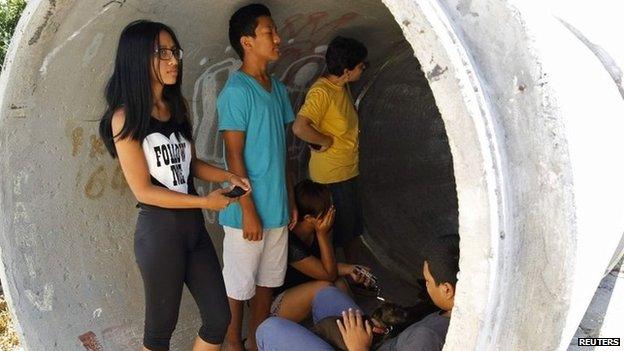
{"x": 277, "y": 334}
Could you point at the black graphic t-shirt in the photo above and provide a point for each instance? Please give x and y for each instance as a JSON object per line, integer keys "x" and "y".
{"x": 297, "y": 251}
{"x": 168, "y": 156}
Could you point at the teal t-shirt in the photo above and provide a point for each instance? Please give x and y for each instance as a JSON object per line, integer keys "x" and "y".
{"x": 244, "y": 105}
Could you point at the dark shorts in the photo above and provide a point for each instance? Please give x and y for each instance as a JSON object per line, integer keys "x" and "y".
{"x": 349, "y": 222}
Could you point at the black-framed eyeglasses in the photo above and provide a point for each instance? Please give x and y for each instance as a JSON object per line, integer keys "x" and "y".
{"x": 167, "y": 54}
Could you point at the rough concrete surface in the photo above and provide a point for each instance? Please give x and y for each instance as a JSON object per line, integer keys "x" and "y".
{"x": 525, "y": 138}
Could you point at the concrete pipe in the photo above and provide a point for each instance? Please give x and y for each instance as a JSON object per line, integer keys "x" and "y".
{"x": 514, "y": 141}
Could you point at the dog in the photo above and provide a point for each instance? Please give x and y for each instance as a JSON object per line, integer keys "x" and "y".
{"x": 387, "y": 320}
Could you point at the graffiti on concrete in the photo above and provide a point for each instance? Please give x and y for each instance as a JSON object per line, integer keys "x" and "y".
{"x": 122, "y": 337}
{"x": 208, "y": 143}
{"x": 94, "y": 188}
{"x": 207, "y": 140}
{"x": 97, "y": 313}
{"x": 298, "y": 77}
{"x": 77, "y": 137}
{"x": 59, "y": 49}
{"x": 117, "y": 2}
{"x": 42, "y": 299}
{"x": 100, "y": 178}
{"x": 96, "y": 146}
{"x": 90, "y": 342}
{"x": 305, "y": 36}
{"x": 302, "y": 33}
{"x": 304, "y": 41}
{"x": 27, "y": 241}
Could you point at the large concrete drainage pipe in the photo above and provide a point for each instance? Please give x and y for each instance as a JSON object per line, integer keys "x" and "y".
{"x": 529, "y": 105}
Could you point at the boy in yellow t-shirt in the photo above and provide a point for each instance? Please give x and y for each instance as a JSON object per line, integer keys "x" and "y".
{"x": 329, "y": 123}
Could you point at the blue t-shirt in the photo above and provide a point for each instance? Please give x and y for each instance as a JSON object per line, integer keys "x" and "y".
{"x": 244, "y": 105}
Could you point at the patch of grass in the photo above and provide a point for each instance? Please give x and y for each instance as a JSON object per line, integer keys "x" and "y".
{"x": 8, "y": 337}
{"x": 10, "y": 12}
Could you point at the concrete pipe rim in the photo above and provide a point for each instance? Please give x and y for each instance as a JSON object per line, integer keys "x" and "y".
{"x": 448, "y": 68}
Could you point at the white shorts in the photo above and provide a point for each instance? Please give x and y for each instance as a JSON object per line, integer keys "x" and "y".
{"x": 247, "y": 264}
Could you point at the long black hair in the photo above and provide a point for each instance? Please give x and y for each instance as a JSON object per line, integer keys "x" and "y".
{"x": 130, "y": 85}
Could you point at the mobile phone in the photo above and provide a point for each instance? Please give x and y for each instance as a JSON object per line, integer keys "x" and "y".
{"x": 315, "y": 146}
{"x": 361, "y": 271}
{"x": 236, "y": 192}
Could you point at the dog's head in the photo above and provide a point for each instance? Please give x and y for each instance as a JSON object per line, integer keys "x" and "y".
{"x": 389, "y": 314}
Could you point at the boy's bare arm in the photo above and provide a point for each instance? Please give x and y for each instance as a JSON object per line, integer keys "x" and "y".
{"x": 302, "y": 128}
{"x": 234, "y": 147}
{"x": 290, "y": 188}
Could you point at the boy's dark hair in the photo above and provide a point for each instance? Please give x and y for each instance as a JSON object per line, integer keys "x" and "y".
{"x": 344, "y": 53}
{"x": 442, "y": 256}
{"x": 312, "y": 198}
{"x": 243, "y": 23}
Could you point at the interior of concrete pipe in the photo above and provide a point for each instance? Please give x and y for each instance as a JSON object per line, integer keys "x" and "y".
{"x": 485, "y": 133}
{"x": 76, "y": 270}
{"x": 407, "y": 181}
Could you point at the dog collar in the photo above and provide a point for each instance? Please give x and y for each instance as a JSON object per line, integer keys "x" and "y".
{"x": 381, "y": 330}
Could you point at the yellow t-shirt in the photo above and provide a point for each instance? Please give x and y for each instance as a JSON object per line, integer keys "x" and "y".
{"x": 331, "y": 110}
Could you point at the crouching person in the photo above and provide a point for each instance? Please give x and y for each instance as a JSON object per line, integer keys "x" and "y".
{"x": 312, "y": 264}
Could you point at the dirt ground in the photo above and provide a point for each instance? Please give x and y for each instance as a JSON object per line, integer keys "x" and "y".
{"x": 8, "y": 336}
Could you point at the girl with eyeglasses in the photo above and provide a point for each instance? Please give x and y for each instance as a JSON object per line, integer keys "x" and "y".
{"x": 146, "y": 125}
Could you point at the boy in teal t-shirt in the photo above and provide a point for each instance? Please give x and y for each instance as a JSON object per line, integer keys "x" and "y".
{"x": 244, "y": 105}
{"x": 253, "y": 110}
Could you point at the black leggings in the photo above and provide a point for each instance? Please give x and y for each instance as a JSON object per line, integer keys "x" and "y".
{"x": 172, "y": 247}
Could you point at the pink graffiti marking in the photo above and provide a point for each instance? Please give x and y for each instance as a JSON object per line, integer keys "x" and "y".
{"x": 309, "y": 31}
{"x": 121, "y": 337}
{"x": 90, "y": 342}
